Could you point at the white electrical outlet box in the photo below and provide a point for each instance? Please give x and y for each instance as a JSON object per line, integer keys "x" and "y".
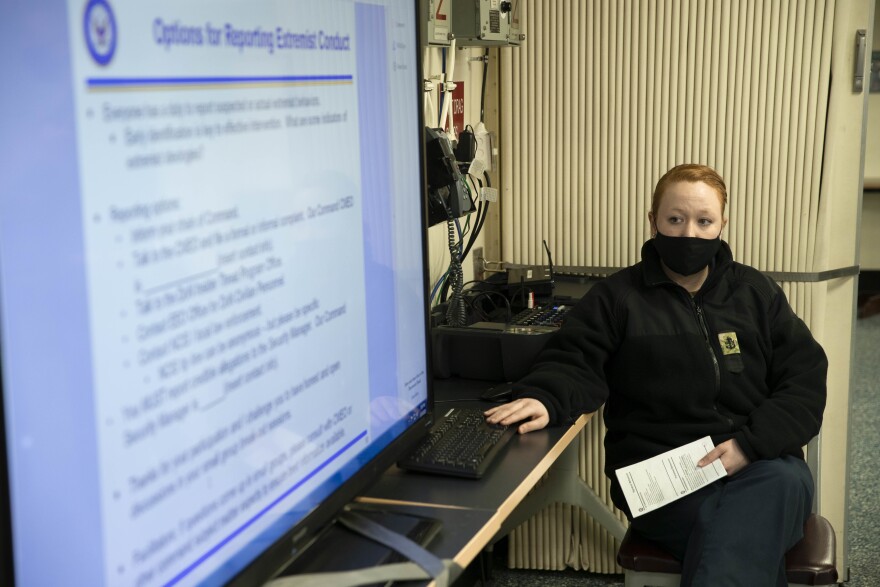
{"x": 437, "y": 17}
{"x": 486, "y": 22}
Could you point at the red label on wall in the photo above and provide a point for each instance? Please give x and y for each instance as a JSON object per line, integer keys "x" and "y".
{"x": 457, "y": 107}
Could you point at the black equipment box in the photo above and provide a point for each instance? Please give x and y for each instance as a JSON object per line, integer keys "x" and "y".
{"x": 491, "y": 351}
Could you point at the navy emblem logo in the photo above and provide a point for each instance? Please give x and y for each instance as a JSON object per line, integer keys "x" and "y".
{"x": 99, "y": 27}
{"x": 729, "y": 344}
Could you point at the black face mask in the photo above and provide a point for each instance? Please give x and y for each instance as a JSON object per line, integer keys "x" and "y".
{"x": 686, "y": 255}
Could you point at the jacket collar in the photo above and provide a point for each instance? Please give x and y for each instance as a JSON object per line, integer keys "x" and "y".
{"x": 654, "y": 275}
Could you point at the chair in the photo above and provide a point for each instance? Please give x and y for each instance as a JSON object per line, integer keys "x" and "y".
{"x": 812, "y": 561}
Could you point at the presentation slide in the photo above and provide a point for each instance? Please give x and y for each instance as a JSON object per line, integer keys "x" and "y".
{"x": 212, "y": 276}
{"x": 211, "y": 272}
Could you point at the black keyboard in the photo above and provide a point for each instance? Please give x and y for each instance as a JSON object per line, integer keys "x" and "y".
{"x": 461, "y": 444}
{"x": 551, "y": 315}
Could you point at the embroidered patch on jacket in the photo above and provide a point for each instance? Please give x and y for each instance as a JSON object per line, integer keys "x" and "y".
{"x": 729, "y": 344}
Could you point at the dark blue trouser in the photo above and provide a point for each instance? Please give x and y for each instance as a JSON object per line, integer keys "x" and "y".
{"x": 736, "y": 531}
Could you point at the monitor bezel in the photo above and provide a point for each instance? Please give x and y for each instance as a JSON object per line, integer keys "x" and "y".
{"x": 7, "y": 554}
{"x": 295, "y": 540}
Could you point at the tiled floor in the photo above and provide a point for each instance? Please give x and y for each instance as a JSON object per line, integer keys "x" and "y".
{"x": 864, "y": 504}
{"x": 864, "y": 508}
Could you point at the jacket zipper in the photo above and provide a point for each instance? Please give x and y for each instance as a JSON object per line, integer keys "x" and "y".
{"x": 701, "y": 320}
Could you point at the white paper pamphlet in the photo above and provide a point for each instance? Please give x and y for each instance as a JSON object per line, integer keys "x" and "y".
{"x": 654, "y": 482}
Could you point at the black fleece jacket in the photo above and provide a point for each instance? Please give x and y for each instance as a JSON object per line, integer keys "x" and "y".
{"x": 732, "y": 361}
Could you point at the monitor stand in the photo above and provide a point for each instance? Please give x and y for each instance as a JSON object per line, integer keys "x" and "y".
{"x": 339, "y": 548}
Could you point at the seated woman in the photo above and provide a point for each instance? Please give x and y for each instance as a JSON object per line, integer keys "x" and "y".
{"x": 689, "y": 343}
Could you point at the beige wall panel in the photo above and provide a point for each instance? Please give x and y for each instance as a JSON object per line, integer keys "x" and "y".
{"x": 624, "y": 90}
{"x": 872, "y": 147}
{"x": 869, "y": 247}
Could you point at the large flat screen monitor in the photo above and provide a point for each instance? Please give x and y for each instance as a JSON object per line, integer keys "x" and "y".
{"x": 212, "y": 280}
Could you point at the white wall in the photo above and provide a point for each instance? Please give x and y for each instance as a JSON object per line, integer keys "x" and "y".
{"x": 869, "y": 250}
{"x": 872, "y": 145}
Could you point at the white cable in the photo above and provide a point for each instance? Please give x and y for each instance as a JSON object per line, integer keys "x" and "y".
{"x": 444, "y": 123}
{"x": 429, "y": 107}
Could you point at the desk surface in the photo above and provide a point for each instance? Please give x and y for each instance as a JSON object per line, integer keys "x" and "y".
{"x": 473, "y": 511}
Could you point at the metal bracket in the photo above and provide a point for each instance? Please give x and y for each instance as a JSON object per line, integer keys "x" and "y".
{"x": 859, "y": 66}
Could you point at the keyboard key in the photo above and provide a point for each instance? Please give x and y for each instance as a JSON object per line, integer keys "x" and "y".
{"x": 541, "y": 316}
{"x": 461, "y": 444}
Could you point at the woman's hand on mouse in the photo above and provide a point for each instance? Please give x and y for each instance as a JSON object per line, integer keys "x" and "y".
{"x": 529, "y": 411}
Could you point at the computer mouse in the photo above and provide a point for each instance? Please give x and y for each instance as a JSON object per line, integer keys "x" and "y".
{"x": 500, "y": 393}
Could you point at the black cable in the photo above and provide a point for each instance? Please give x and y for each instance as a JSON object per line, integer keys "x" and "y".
{"x": 475, "y": 310}
{"x": 483, "y": 91}
{"x": 482, "y": 208}
{"x": 550, "y": 265}
{"x": 488, "y": 294}
{"x": 482, "y": 212}
{"x": 480, "y": 281}
{"x": 442, "y": 93}
{"x": 477, "y": 229}
{"x": 456, "y": 312}
{"x": 484, "y": 576}
{"x": 520, "y": 291}
{"x": 480, "y": 218}
{"x": 452, "y": 244}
